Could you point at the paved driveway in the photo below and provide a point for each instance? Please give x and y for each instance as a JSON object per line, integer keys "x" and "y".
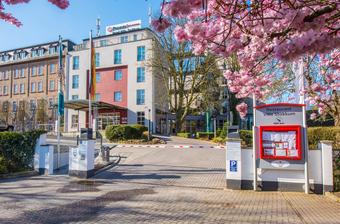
{"x": 156, "y": 185}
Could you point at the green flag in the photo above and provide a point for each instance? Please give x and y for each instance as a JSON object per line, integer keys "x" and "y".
{"x": 60, "y": 103}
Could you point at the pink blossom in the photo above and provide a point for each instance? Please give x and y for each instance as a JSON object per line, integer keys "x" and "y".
{"x": 7, "y": 17}
{"x": 160, "y": 25}
{"x": 242, "y": 108}
{"x": 180, "y": 34}
{"x": 313, "y": 116}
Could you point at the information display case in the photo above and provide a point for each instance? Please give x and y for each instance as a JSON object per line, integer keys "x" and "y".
{"x": 280, "y": 142}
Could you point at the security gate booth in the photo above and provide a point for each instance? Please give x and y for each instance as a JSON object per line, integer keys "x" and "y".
{"x": 282, "y": 160}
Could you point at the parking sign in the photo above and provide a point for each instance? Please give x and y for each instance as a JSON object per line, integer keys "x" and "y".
{"x": 233, "y": 166}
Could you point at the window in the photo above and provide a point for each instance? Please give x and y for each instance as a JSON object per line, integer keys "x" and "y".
{"x": 75, "y": 82}
{"x": 34, "y": 53}
{"x": 41, "y": 52}
{"x": 5, "y": 106}
{"x": 7, "y": 75}
{"x": 52, "y": 50}
{"x": 141, "y": 53}
{"x": 52, "y": 68}
{"x": 15, "y": 106}
{"x": 74, "y": 121}
{"x": 16, "y": 90}
{"x": 22, "y": 88}
{"x": 0, "y": 91}
{"x": 97, "y": 77}
{"x": 118, "y": 96}
{"x": 34, "y": 71}
{"x": 124, "y": 39}
{"x": 40, "y": 70}
{"x": 140, "y": 74}
{"x": 75, "y": 65}
{"x": 40, "y": 86}
{"x": 97, "y": 59}
{"x": 140, "y": 96}
{"x": 22, "y": 73}
{"x": 97, "y": 97}
{"x": 22, "y": 55}
{"x": 52, "y": 85}
{"x": 118, "y": 75}
{"x": 33, "y": 105}
{"x": 50, "y": 102}
{"x": 16, "y": 73}
{"x": 135, "y": 37}
{"x": 117, "y": 56}
{"x": 141, "y": 117}
{"x": 75, "y": 97}
{"x": 103, "y": 43}
{"x": 33, "y": 87}
{"x": 2, "y": 74}
{"x": 5, "y": 91}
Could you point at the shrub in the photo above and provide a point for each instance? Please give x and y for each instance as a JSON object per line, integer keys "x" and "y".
{"x": 140, "y": 129}
{"x": 183, "y": 134}
{"x": 124, "y": 132}
{"x": 316, "y": 134}
{"x": 247, "y": 137}
{"x": 145, "y": 135}
{"x": 224, "y": 131}
{"x": 219, "y": 140}
{"x": 205, "y": 135}
{"x": 17, "y": 150}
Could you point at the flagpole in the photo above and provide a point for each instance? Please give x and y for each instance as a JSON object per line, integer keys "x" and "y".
{"x": 302, "y": 101}
{"x": 59, "y": 92}
{"x": 254, "y": 144}
{"x": 90, "y": 81}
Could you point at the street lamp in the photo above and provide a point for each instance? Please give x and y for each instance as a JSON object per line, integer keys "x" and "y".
{"x": 149, "y": 123}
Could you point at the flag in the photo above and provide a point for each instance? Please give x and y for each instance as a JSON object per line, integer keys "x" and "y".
{"x": 92, "y": 75}
{"x": 60, "y": 92}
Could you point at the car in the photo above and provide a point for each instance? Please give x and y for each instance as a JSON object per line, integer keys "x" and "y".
{"x": 5, "y": 127}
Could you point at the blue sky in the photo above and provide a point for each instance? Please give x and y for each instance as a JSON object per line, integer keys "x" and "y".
{"x": 43, "y": 22}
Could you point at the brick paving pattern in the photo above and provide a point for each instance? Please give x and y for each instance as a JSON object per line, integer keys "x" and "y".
{"x": 156, "y": 185}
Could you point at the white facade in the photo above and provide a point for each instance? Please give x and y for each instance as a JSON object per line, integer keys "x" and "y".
{"x": 127, "y": 42}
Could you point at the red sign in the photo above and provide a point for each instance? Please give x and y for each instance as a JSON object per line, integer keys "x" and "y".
{"x": 280, "y": 142}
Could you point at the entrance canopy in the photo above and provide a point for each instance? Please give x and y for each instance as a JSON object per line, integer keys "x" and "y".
{"x": 83, "y": 105}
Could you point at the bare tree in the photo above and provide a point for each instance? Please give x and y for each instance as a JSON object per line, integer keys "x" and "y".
{"x": 186, "y": 76}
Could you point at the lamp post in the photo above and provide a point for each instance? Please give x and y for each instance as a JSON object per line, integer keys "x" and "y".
{"x": 149, "y": 124}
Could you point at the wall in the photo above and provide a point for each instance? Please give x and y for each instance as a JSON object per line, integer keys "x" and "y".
{"x": 295, "y": 178}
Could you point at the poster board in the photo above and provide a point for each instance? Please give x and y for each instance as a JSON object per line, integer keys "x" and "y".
{"x": 280, "y": 142}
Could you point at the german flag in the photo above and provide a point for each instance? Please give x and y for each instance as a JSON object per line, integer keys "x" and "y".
{"x": 92, "y": 80}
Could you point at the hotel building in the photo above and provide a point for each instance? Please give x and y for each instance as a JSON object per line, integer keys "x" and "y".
{"x": 124, "y": 80}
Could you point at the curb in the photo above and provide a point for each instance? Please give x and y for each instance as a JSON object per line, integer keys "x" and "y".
{"x": 107, "y": 166}
{"x": 19, "y": 174}
{"x": 332, "y": 196}
{"x": 171, "y": 146}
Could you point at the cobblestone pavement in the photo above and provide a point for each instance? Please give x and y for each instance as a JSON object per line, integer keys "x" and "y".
{"x": 156, "y": 186}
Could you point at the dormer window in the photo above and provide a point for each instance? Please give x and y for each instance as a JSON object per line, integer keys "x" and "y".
{"x": 23, "y": 55}
{"x": 53, "y": 49}
{"x": 41, "y": 52}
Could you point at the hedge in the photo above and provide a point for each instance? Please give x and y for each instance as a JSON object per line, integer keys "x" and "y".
{"x": 205, "y": 135}
{"x": 247, "y": 137}
{"x": 315, "y": 135}
{"x": 17, "y": 150}
{"x": 184, "y": 134}
{"x": 124, "y": 132}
